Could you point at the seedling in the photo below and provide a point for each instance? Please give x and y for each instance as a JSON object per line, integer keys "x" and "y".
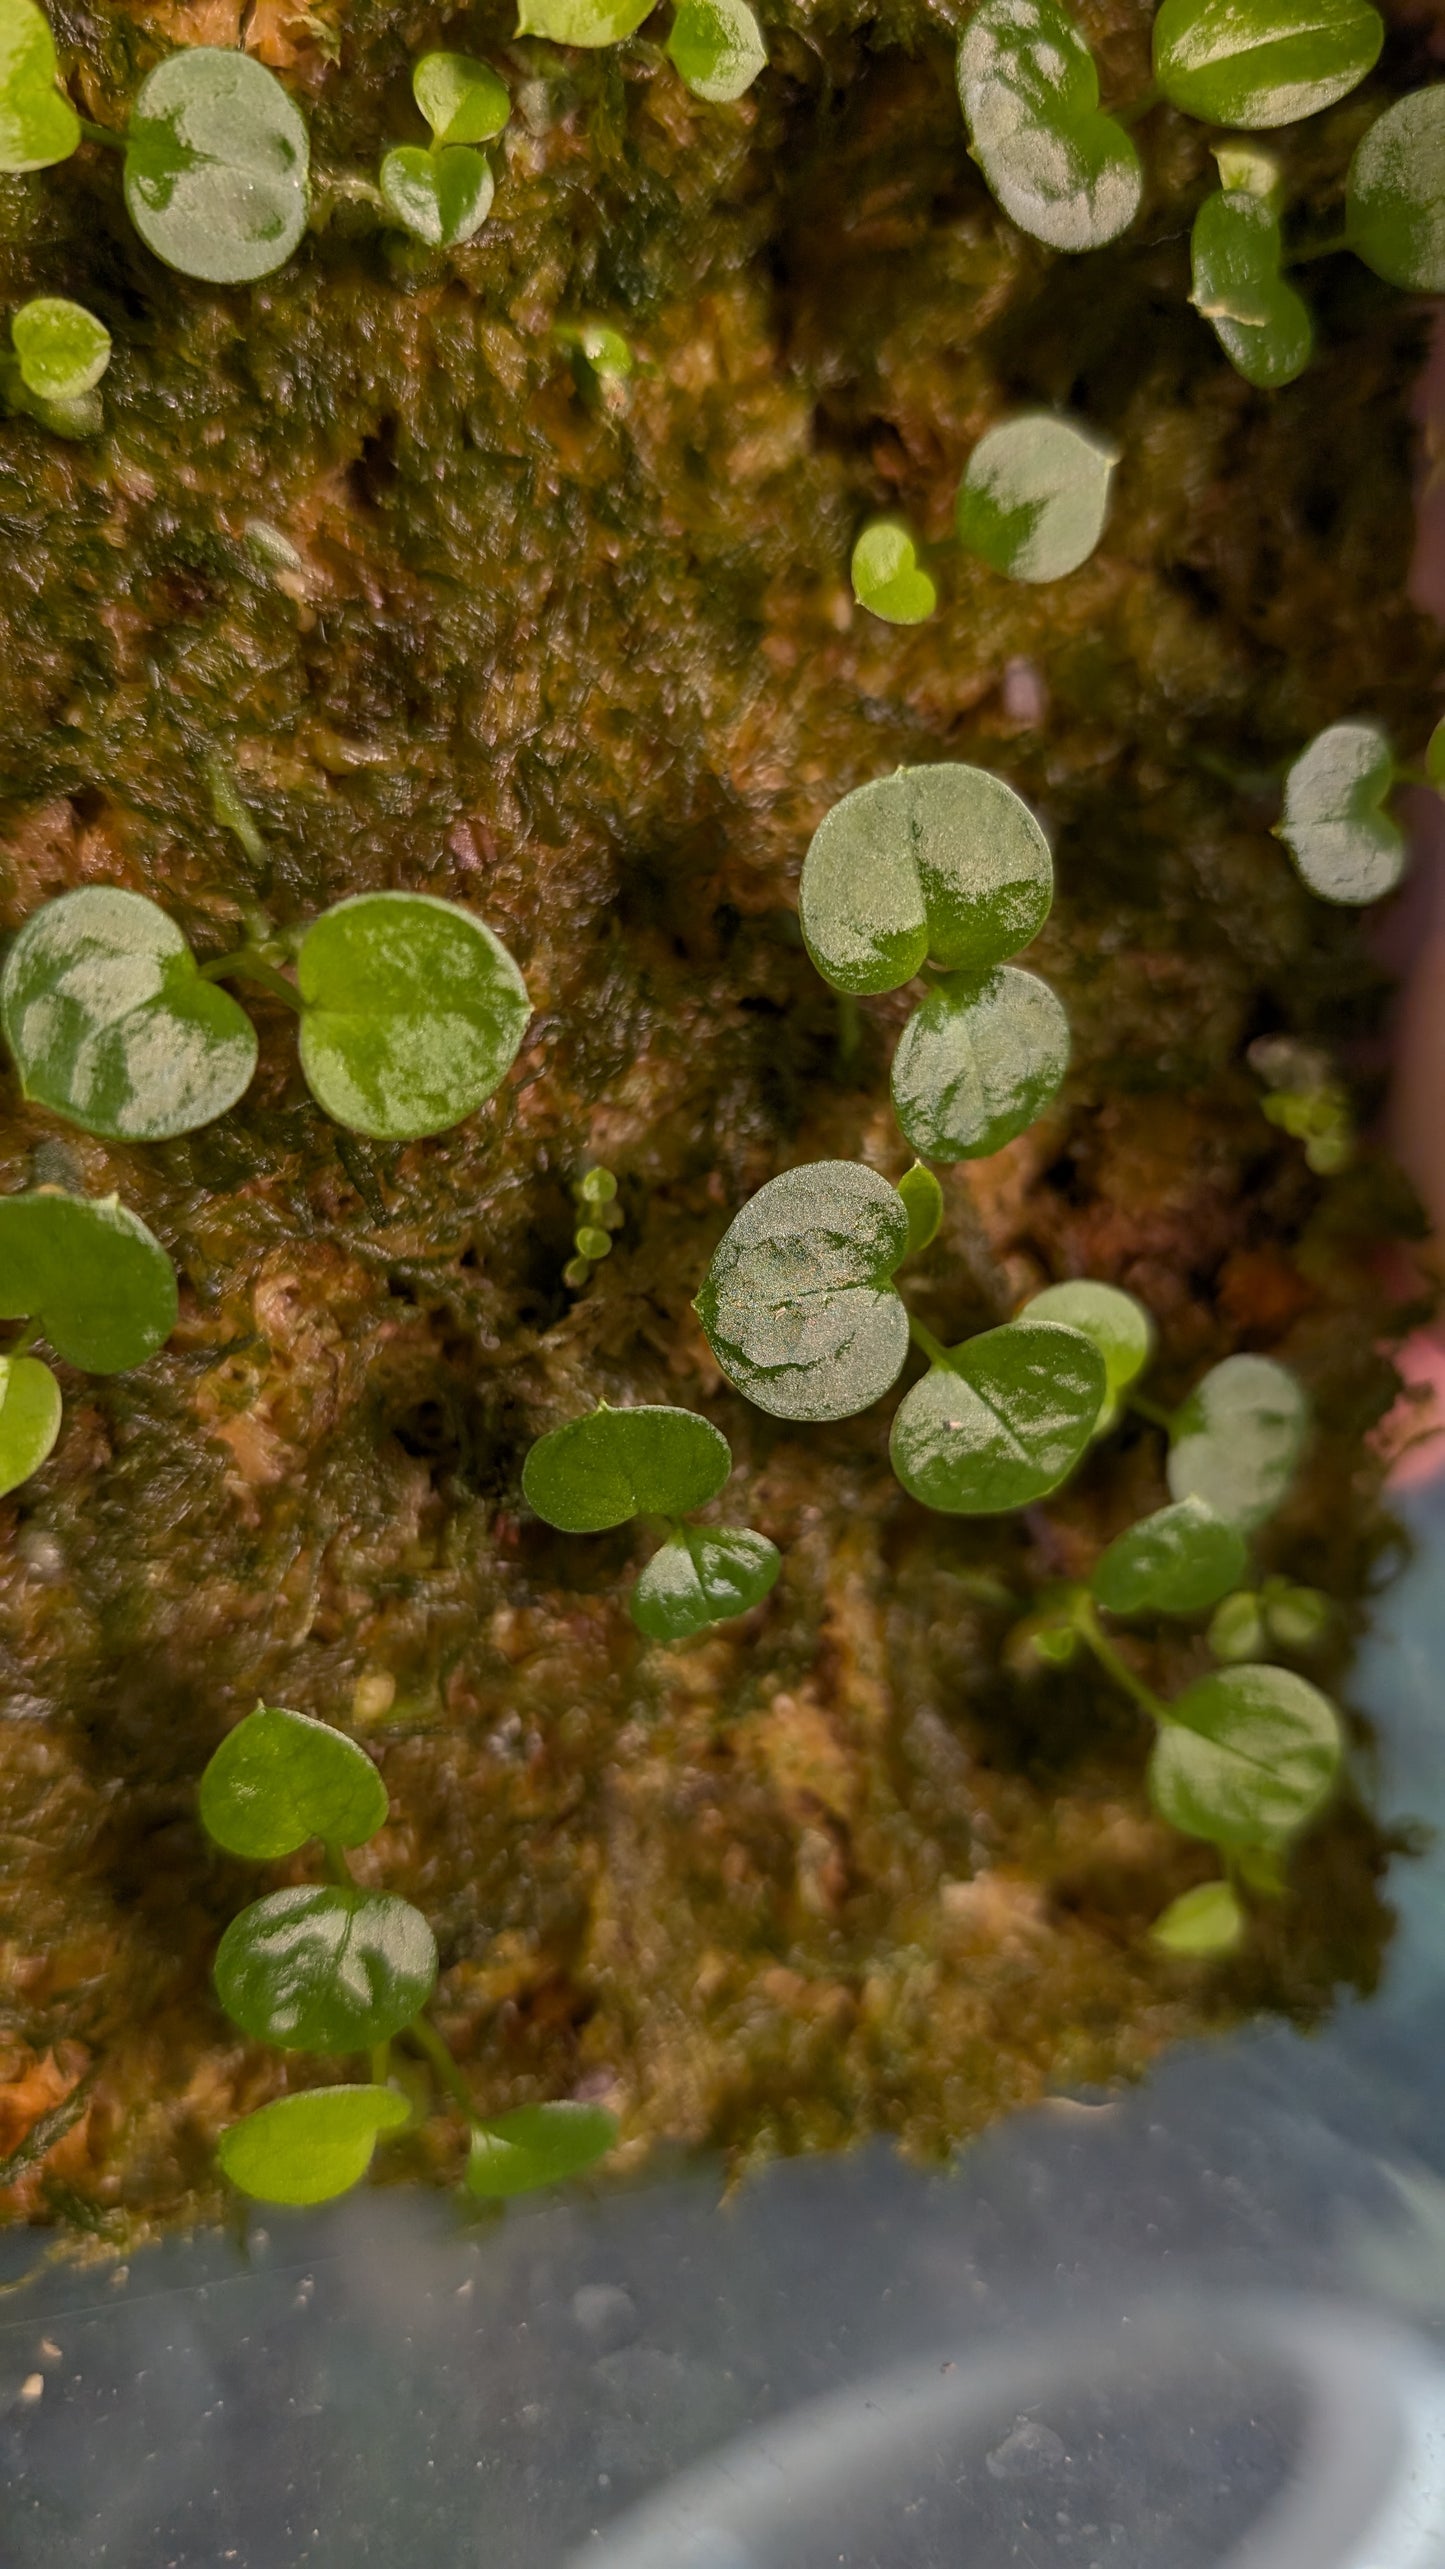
{"x": 1031, "y": 505}
{"x": 1262, "y": 325}
{"x": 599, "y": 1215}
{"x": 85, "y": 1275}
{"x": 887, "y": 576}
{"x": 59, "y": 354}
{"x": 1306, "y": 1099}
{"x": 716, "y": 45}
{"x": 1029, "y": 88}
{"x": 442, "y": 194}
{"x": 332, "y": 1968}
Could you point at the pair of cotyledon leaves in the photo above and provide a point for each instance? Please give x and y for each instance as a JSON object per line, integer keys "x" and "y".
{"x": 1031, "y": 504}
{"x": 716, "y": 46}
{"x": 61, "y": 349}
{"x": 443, "y": 195}
{"x": 100, "y": 1289}
{"x": 412, "y": 1013}
{"x": 600, "y": 1471}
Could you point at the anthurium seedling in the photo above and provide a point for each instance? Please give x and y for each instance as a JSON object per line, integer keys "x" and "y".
{"x": 1395, "y": 193}
{"x": 443, "y": 193}
{"x": 717, "y": 48}
{"x": 888, "y": 578}
{"x": 87, "y": 1276}
{"x": 38, "y": 125}
{"x": 1255, "y": 63}
{"x": 1336, "y": 823}
{"x": 653, "y": 1461}
{"x": 1118, "y": 1324}
{"x": 1306, "y": 1098}
{"x": 799, "y": 1303}
{"x": 999, "y": 1421}
{"x": 1034, "y": 496}
{"x": 1262, "y": 325}
{"x": 322, "y": 1968}
{"x": 942, "y": 864}
{"x": 61, "y": 352}
{"x": 1279, "y": 1614}
{"x": 1029, "y": 87}
{"x": 599, "y": 1215}
{"x": 280, "y": 1778}
{"x": 1201, "y": 1923}
{"x": 216, "y": 166}
{"x": 599, "y": 353}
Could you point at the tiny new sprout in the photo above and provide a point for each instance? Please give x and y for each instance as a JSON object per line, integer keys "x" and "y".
{"x": 87, "y": 1276}
{"x": 331, "y": 1968}
{"x": 1306, "y": 1099}
{"x": 60, "y": 354}
{"x": 443, "y": 194}
{"x": 887, "y": 577}
{"x": 1237, "y": 249}
{"x": 1031, "y": 505}
{"x": 599, "y": 1215}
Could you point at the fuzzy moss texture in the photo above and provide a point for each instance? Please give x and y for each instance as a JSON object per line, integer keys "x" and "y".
{"x": 591, "y": 665}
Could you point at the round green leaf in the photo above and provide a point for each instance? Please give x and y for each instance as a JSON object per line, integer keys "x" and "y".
{"x": 535, "y": 2146}
{"x": 442, "y": 197}
{"x": 414, "y": 1013}
{"x": 923, "y": 1201}
{"x": 943, "y": 862}
{"x": 216, "y": 161}
{"x": 717, "y": 46}
{"x": 1207, "y": 1920}
{"x": 1336, "y": 825}
{"x": 619, "y": 1463}
{"x": 703, "y": 1578}
{"x": 1246, "y": 1757}
{"x": 1254, "y": 63}
{"x": 1260, "y": 322}
{"x": 98, "y": 1282}
{"x": 62, "y": 348}
{"x": 799, "y": 1306}
{"x": 1119, "y": 1326}
{"x": 1030, "y": 93}
{"x": 1034, "y": 495}
{"x": 463, "y": 101}
{"x": 1395, "y": 194}
{"x": 112, "y": 1025}
{"x": 37, "y": 125}
{"x": 1237, "y": 1628}
{"x": 305, "y": 2149}
{"x": 1435, "y": 756}
{"x": 320, "y": 1968}
{"x": 1176, "y": 1562}
{"x": 581, "y": 22}
{"x": 1003, "y": 1422}
{"x": 886, "y": 576}
{"x": 280, "y": 1778}
{"x": 29, "y": 1418}
{"x": 1238, "y": 1438}
{"x": 978, "y": 1061}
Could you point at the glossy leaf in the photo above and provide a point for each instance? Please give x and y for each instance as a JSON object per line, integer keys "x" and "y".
{"x": 1119, "y": 1326}
{"x": 280, "y": 1778}
{"x": 1254, "y": 63}
{"x": 537, "y": 2145}
{"x": 620, "y": 1463}
{"x": 1395, "y": 196}
{"x": 30, "y": 1409}
{"x": 887, "y": 578}
{"x": 799, "y": 1306}
{"x": 943, "y": 862}
{"x": 923, "y": 1201}
{"x": 1207, "y": 1920}
{"x": 1003, "y": 1423}
{"x": 1262, "y": 325}
{"x": 581, "y": 22}
{"x": 978, "y": 1061}
{"x": 305, "y": 2149}
{"x": 37, "y": 125}
{"x": 111, "y": 1023}
{"x": 1246, "y": 1758}
{"x": 1177, "y": 1562}
{"x": 414, "y": 1013}
{"x": 216, "y": 163}
{"x": 441, "y": 197}
{"x": 703, "y": 1577}
{"x": 63, "y": 350}
{"x": 1030, "y": 93}
{"x": 98, "y": 1282}
{"x": 1336, "y": 823}
{"x": 1034, "y": 496}
{"x": 1238, "y": 1438}
{"x": 320, "y": 1968}
{"x": 717, "y": 47}
{"x": 463, "y": 101}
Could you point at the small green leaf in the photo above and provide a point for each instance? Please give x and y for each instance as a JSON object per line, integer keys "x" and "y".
{"x": 415, "y": 1013}
{"x": 923, "y": 1199}
{"x": 717, "y": 47}
{"x": 463, "y": 101}
{"x": 1395, "y": 194}
{"x": 1435, "y": 756}
{"x": 441, "y": 197}
{"x": 1034, "y": 496}
{"x": 1030, "y": 93}
{"x": 1002, "y": 1423}
{"x": 322, "y": 1969}
{"x": 1296, "y": 1618}
{"x": 886, "y": 576}
{"x": 280, "y": 1778}
{"x": 1236, "y": 1628}
{"x": 37, "y": 125}
{"x": 702, "y": 1578}
{"x": 1260, "y": 322}
{"x": 799, "y": 1306}
{"x": 535, "y": 2146}
{"x": 1176, "y": 1562}
{"x": 62, "y": 348}
{"x": 111, "y": 1023}
{"x": 582, "y": 22}
{"x": 305, "y": 2149}
{"x": 601, "y": 349}
{"x": 1207, "y": 1920}
{"x": 941, "y": 862}
{"x": 1263, "y": 62}
{"x": 619, "y": 1463}
{"x": 216, "y": 163}
{"x": 1119, "y": 1326}
{"x": 978, "y": 1061}
{"x": 98, "y": 1282}
{"x": 1238, "y": 1438}
{"x": 29, "y": 1418}
{"x": 1336, "y": 825}
{"x": 1246, "y": 1757}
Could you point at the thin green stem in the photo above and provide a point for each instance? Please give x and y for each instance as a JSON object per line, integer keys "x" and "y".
{"x": 380, "y": 2064}
{"x": 429, "y": 2042}
{"x": 247, "y": 965}
{"x": 337, "y": 1866}
{"x": 103, "y": 134}
{"x": 932, "y": 1347}
{"x": 1311, "y": 250}
{"x": 1153, "y": 1410}
{"x": 1091, "y": 1631}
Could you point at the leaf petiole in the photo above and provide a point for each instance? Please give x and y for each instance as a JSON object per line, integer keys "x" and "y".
{"x": 924, "y": 1339}
{"x": 1153, "y": 1410}
{"x": 103, "y": 134}
{"x": 429, "y": 2043}
{"x": 1091, "y": 1632}
{"x": 246, "y": 964}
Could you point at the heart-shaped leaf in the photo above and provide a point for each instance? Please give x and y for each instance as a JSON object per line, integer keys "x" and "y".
{"x": 29, "y": 1418}
{"x": 1253, "y": 63}
{"x": 441, "y": 197}
{"x": 886, "y": 576}
{"x": 1119, "y": 1326}
{"x": 1238, "y": 1438}
{"x": 1002, "y": 1423}
{"x": 701, "y": 1578}
{"x": 37, "y": 125}
{"x": 620, "y": 1463}
{"x": 63, "y": 350}
{"x": 322, "y": 1969}
{"x": 537, "y": 2145}
{"x": 414, "y": 1013}
{"x": 923, "y": 1201}
{"x": 932, "y": 862}
{"x": 1206, "y": 1920}
{"x": 1336, "y": 824}
{"x": 1030, "y": 92}
{"x": 216, "y": 163}
{"x": 1260, "y": 322}
{"x": 98, "y": 1282}
{"x": 1395, "y": 194}
{"x": 305, "y": 2149}
{"x": 280, "y": 1778}
{"x": 799, "y": 1306}
{"x": 582, "y": 22}
{"x": 1179, "y": 1561}
{"x": 717, "y": 47}
{"x": 1034, "y": 496}
{"x": 112, "y": 1025}
{"x": 463, "y": 101}
{"x": 1246, "y": 1757}
{"x": 978, "y": 1061}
